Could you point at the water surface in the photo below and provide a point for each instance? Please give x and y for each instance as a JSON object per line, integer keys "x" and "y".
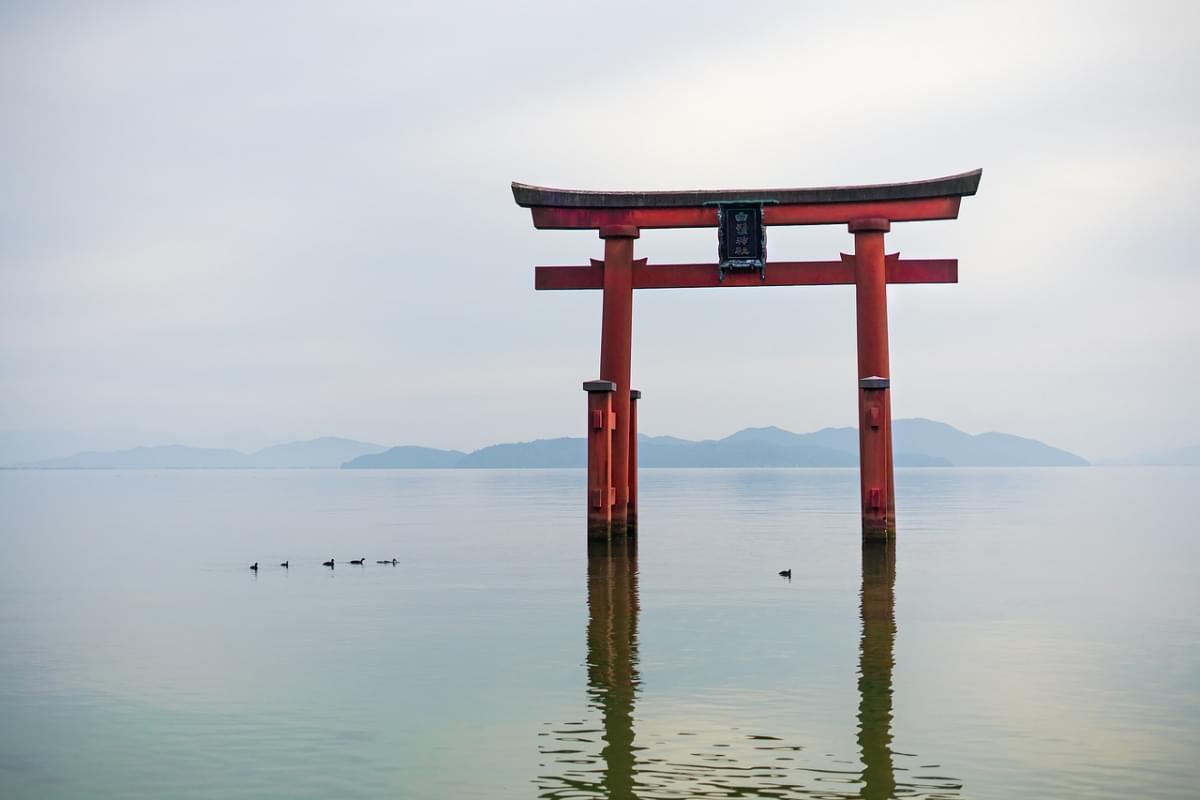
{"x": 1034, "y": 632}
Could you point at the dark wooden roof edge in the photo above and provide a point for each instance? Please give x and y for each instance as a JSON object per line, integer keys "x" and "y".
{"x": 960, "y": 185}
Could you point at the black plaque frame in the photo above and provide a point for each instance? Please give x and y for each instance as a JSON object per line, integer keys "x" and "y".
{"x": 757, "y": 259}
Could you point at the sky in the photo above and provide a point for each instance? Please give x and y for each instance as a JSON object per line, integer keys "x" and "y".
{"x": 222, "y": 221}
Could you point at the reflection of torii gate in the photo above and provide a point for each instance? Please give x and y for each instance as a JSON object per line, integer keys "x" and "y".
{"x": 623, "y": 769}
{"x": 741, "y": 217}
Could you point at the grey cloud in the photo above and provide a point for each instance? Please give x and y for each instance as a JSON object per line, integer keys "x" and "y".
{"x": 294, "y": 217}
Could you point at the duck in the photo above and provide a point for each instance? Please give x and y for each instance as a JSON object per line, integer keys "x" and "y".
{"x": 393, "y": 562}
{"x": 328, "y": 563}
{"x": 254, "y": 567}
{"x": 358, "y": 561}
{"x": 786, "y": 573}
{"x": 283, "y": 564}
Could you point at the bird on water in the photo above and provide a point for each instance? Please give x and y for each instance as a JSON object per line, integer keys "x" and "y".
{"x": 328, "y": 563}
{"x": 393, "y": 562}
{"x": 254, "y": 567}
{"x": 786, "y": 573}
{"x": 283, "y": 564}
{"x": 358, "y": 561}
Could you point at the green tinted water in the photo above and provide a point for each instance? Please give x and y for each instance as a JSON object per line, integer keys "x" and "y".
{"x": 1033, "y": 633}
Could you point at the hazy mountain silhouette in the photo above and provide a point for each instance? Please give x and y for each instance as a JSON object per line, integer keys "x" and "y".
{"x": 407, "y": 457}
{"x": 917, "y": 442}
{"x": 980, "y": 450}
{"x": 832, "y": 438}
{"x": 564, "y": 452}
{"x": 169, "y": 456}
{"x": 327, "y": 451}
{"x": 26, "y": 446}
{"x": 723, "y": 453}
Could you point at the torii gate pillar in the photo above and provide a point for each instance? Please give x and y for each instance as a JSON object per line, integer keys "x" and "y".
{"x": 874, "y": 380}
{"x": 616, "y": 343}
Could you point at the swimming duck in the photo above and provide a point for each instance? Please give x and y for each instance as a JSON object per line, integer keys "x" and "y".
{"x": 358, "y": 561}
{"x": 786, "y": 573}
{"x": 254, "y": 567}
{"x": 283, "y": 564}
{"x": 393, "y": 562}
{"x": 328, "y": 563}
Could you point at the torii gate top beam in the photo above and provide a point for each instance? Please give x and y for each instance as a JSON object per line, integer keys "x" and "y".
{"x": 938, "y": 198}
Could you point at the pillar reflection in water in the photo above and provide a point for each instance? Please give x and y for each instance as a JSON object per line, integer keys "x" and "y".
{"x": 612, "y": 676}
{"x": 875, "y": 662}
{"x": 612, "y": 685}
{"x": 597, "y": 756}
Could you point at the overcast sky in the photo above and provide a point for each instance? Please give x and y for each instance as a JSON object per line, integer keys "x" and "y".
{"x": 295, "y": 218}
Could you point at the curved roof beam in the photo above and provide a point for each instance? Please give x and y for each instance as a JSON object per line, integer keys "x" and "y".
{"x": 961, "y": 185}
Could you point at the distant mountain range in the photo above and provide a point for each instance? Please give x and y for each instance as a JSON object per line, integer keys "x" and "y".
{"x": 328, "y": 451}
{"x": 917, "y": 443}
{"x": 408, "y": 457}
{"x": 25, "y": 446}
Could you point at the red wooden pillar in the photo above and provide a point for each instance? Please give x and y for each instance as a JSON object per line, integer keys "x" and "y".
{"x": 616, "y": 340}
{"x": 634, "y": 396}
{"x": 874, "y": 386}
{"x": 600, "y": 494}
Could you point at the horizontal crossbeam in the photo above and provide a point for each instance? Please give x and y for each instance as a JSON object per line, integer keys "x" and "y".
{"x": 558, "y": 218}
{"x": 778, "y": 273}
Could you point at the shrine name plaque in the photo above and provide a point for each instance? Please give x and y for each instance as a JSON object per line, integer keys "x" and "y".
{"x": 741, "y": 238}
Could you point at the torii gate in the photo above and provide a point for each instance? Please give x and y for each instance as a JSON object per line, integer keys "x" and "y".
{"x": 741, "y": 217}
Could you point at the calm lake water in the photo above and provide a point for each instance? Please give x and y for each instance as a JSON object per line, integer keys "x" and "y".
{"x": 1035, "y": 633}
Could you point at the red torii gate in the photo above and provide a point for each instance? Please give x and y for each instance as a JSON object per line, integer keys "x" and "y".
{"x": 741, "y": 217}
